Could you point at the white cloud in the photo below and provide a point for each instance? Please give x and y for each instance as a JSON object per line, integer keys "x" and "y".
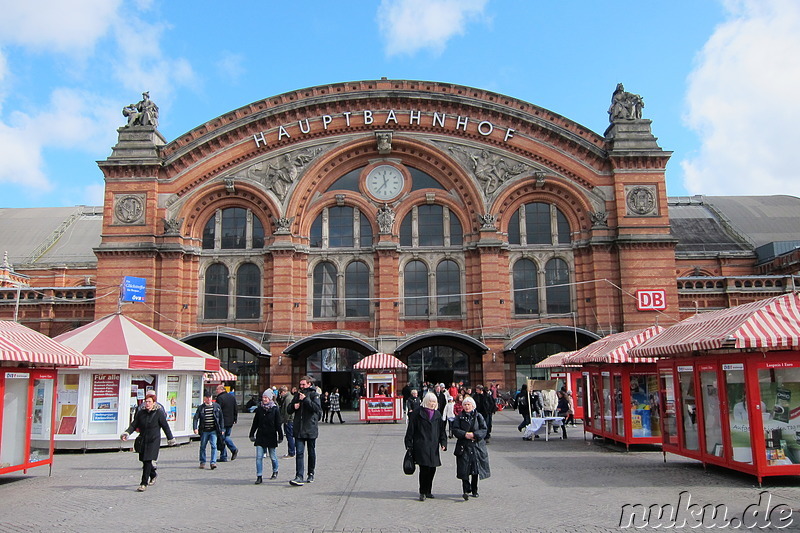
{"x": 55, "y": 24}
{"x": 743, "y": 102}
{"x": 411, "y": 25}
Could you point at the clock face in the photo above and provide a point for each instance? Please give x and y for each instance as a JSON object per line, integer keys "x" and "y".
{"x": 385, "y": 182}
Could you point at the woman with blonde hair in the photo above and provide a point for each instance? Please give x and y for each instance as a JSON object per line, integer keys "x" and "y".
{"x": 425, "y": 436}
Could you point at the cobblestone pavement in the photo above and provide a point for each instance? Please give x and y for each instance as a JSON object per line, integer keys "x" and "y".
{"x": 562, "y": 485}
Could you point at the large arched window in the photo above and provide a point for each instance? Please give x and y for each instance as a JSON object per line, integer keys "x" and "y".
{"x": 325, "y": 291}
{"x": 356, "y": 289}
{"x": 416, "y": 289}
{"x": 340, "y": 227}
{"x": 557, "y": 281}
{"x": 448, "y": 289}
{"x": 430, "y": 226}
{"x": 233, "y": 228}
{"x": 526, "y": 293}
{"x": 538, "y": 224}
{"x": 216, "y": 292}
{"x": 248, "y": 291}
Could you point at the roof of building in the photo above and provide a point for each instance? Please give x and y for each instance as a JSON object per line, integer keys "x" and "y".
{"x": 50, "y": 235}
{"x": 736, "y": 224}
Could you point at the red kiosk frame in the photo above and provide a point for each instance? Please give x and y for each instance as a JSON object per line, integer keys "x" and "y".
{"x": 730, "y": 393}
{"x": 620, "y": 391}
{"x": 380, "y": 371}
{"x": 29, "y": 364}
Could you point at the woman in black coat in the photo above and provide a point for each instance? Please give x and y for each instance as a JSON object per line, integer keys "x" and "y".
{"x": 266, "y": 433}
{"x": 472, "y": 457}
{"x": 425, "y": 435}
{"x": 149, "y": 422}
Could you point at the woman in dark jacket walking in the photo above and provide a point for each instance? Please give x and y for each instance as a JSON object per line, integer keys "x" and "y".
{"x": 425, "y": 435}
{"x": 266, "y": 433}
{"x": 472, "y": 457}
{"x": 149, "y": 422}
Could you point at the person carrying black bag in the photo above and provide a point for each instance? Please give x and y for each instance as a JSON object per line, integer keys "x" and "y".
{"x": 425, "y": 435}
{"x": 472, "y": 457}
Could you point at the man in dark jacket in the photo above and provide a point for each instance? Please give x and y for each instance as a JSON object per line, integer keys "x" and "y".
{"x": 230, "y": 415}
{"x": 307, "y": 409}
{"x": 286, "y": 399}
{"x": 486, "y": 407}
{"x": 207, "y": 423}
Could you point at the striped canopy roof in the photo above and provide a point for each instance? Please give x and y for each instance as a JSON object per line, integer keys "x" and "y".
{"x": 555, "y": 360}
{"x": 379, "y": 361}
{"x": 773, "y": 323}
{"x": 119, "y": 342}
{"x": 615, "y": 348}
{"x": 220, "y": 375}
{"x": 22, "y": 344}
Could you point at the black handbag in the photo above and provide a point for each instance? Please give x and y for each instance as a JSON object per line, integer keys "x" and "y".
{"x": 137, "y": 444}
{"x": 408, "y": 463}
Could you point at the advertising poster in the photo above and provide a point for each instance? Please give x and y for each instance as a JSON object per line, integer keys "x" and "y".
{"x": 173, "y": 383}
{"x": 105, "y": 397}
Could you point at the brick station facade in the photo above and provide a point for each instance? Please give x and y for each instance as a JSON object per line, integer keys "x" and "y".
{"x": 469, "y": 233}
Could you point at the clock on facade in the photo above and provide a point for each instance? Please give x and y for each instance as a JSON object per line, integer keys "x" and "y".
{"x": 385, "y": 182}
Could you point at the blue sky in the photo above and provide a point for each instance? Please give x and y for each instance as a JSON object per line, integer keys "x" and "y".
{"x": 720, "y": 78}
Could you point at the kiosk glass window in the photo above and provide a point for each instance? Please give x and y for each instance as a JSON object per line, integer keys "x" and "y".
{"x": 688, "y": 403}
{"x": 608, "y": 403}
{"x": 595, "y": 392}
{"x": 618, "y": 422}
{"x": 15, "y": 415}
{"x": 41, "y": 425}
{"x": 67, "y": 406}
{"x": 644, "y": 408}
{"x": 737, "y": 415}
{"x": 173, "y": 403}
{"x": 104, "y": 409}
{"x": 712, "y": 421}
{"x": 779, "y": 389}
{"x": 667, "y": 400}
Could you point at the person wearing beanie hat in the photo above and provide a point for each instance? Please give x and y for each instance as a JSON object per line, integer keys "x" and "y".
{"x": 266, "y": 433}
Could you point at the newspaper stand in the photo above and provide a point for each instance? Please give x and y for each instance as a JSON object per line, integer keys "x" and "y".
{"x": 730, "y": 387}
{"x": 380, "y": 372}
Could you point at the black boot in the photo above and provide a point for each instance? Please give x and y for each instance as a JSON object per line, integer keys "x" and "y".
{"x": 259, "y": 480}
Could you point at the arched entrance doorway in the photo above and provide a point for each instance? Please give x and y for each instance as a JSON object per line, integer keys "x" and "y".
{"x": 442, "y": 357}
{"x": 240, "y": 355}
{"x": 537, "y": 346}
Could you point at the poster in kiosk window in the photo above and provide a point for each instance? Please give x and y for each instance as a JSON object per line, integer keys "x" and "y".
{"x": 133, "y": 289}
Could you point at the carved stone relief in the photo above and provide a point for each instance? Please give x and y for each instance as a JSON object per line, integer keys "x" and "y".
{"x": 490, "y": 169}
{"x": 129, "y": 208}
{"x": 640, "y": 200}
{"x": 279, "y": 174}
{"x": 385, "y": 219}
{"x": 172, "y": 226}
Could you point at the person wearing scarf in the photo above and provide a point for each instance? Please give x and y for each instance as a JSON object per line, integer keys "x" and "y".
{"x": 472, "y": 457}
{"x": 425, "y": 435}
{"x": 266, "y": 433}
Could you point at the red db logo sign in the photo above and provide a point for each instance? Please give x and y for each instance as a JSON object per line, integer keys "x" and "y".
{"x": 651, "y": 300}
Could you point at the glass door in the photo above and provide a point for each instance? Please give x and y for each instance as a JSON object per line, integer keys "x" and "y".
{"x": 666, "y": 405}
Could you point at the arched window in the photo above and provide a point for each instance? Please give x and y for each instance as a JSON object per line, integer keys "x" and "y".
{"x": 448, "y": 289}
{"x": 248, "y": 291}
{"x": 216, "y": 292}
{"x": 526, "y": 292}
{"x": 233, "y": 228}
{"x": 538, "y": 224}
{"x": 325, "y": 293}
{"x": 356, "y": 289}
{"x": 556, "y": 273}
{"x": 430, "y": 226}
{"x": 416, "y": 289}
{"x": 339, "y": 227}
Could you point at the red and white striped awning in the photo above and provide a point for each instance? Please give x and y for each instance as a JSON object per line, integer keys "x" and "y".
{"x": 773, "y": 323}
{"x": 22, "y": 344}
{"x": 615, "y": 348}
{"x": 119, "y": 342}
{"x": 221, "y": 375}
{"x": 555, "y": 360}
{"x": 379, "y": 361}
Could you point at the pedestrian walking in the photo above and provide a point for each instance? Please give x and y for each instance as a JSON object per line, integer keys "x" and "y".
{"x": 472, "y": 457}
{"x": 425, "y": 436}
{"x": 563, "y": 412}
{"x": 325, "y": 403}
{"x": 287, "y": 419}
{"x": 208, "y": 423}
{"x": 149, "y": 422}
{"x": 523, "y": 402}
{"x": 230, "y": 415}
{"x": 307, "y": 410}
{"x": 335, "y": 406}
{"x": 484, "y": 403}
{"x": 266, "y": 433}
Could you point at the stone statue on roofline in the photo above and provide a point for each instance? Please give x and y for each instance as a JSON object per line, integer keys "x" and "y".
{"x": 625, "y": 105}
{"x": 142, "y": 113}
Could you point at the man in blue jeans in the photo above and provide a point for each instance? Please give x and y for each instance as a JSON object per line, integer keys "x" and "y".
{"x": 287, "y": 419}
{"x": 230, "y": 414}
{"x": 207, "y": 423}
{"x": 307, "y": 409}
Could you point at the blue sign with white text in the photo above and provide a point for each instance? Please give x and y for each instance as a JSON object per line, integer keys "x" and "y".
{"x": 133, "y": 289}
